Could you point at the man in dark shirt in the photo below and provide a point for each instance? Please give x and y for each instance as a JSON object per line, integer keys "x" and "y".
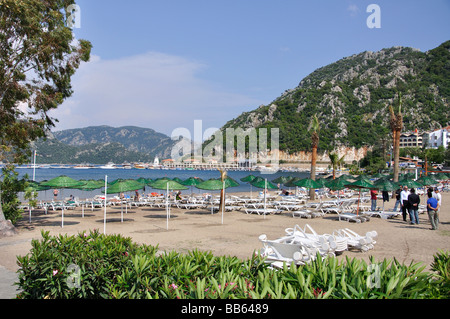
{"x": 413, "y": 203}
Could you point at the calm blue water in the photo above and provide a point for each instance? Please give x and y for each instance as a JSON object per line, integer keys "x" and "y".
{"x": 98, "y": 173}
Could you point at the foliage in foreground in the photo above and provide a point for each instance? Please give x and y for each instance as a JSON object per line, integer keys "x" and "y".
{"x": 110, "y": 266}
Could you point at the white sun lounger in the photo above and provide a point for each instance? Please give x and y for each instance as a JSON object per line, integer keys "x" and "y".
{"x": 354, "y": 240}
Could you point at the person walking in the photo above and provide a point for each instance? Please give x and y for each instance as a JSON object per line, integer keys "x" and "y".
{"x": 432, "y": 208}
{"x": 404, "y": 201}
{"x": 413, "y": 203}
{"x": 373, "y": 198}
{"x": 437, "y": 195}
{"x": 398, "y": 202}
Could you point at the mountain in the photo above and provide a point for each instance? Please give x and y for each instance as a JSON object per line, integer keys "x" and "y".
{"x": 352, "y": 97}
{"x": 102, "y": 144}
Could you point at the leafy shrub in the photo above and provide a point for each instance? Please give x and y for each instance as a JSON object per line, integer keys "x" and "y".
{"x": 113, "y": 267}
{"x": 47, "y": 271}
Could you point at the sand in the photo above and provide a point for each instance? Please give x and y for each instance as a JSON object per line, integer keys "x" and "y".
{"x": 237, "y": 236}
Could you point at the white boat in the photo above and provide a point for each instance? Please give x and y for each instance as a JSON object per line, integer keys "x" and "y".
{"x": 110, "y": 165}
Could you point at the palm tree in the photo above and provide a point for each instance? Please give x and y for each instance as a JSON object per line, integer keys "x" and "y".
{"x": 314, "y": 128}
{"x": 336, "y": 162}
{"x": 396, "y": 124}
{"x": 334, "y": 158}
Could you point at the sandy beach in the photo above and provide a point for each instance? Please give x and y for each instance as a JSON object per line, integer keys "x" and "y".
{"x": 237, "y": 236}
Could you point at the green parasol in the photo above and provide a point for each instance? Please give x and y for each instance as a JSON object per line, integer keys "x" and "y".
{"x": 123, "y": 185}
{"x": 308, "y": 183}
{"x": 265, "y": 184}
{"x": 281, "y": 180}
{"x": 426, "y": 180}
{"x": 167, "y": 184}
{"x": 249, "y": 179}
{"x": 409, "y": 183}
{"x": 385, "y": 185}
{"x": 33, "y": 187}
{"x": 61, "y": 182}
{"x": 192, "y": 181}
{"x": 361, "y": 184}
{"x": 440, "y": 176}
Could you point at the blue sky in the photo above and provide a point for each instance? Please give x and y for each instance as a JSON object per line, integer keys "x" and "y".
{"x": 164, "y": 64}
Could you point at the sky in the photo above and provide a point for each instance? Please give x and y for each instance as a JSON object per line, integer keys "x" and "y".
{"x": 164, "y": 64}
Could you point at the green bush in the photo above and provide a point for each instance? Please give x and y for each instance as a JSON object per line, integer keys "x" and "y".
{"x": 98, "y": 266}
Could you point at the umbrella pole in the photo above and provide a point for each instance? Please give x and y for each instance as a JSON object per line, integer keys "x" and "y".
{"x": 167, "y": 207}
{"x": 104, "y": 212}
{"x": 265, "y": 188}
{"x": 223, "y": 198}
{"x": 62, "y": 212}
{"x": 359, "y": 199}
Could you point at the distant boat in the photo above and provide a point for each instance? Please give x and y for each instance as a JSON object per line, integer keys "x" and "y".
{"x": 110, "y": 165}
{"x": 83, "y": 166}
{"x": 139, "y": 166}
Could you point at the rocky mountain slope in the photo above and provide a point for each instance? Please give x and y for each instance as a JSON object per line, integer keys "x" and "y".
{"x": 101, "y": 144}
{"x": 352, "y": 97}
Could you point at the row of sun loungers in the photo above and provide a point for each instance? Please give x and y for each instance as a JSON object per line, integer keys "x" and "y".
{"x": 344, "y": 208}
{"x": 301, "y": 245}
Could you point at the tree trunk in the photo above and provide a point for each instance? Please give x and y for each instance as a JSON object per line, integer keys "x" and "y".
{"x": 312, "y": 191}
{"x": 2, "y": 215}
{"x": 396, "y": 152}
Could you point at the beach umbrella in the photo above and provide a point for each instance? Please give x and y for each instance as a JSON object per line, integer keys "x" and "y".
{"x": 34, "y": 187}
{"x": 61, "y": 182}
{"x": 385, "y": 185}
{"x": 362, "y": 183}
{"x": 167, "y": 184}
{"x": 440, "y": 176}
{"x": 260, "y": 182}
{"x": 322, "y": 182}
{"x": 337, "y": 184}
{"x": 291, "y": 182}
{"x": 308, "y": 183}
{"x": 249, "y": 179}
{"x": 214, "y": 184}
{"x": 265, "y": 184}
{"x": 178, "y": 180}
{"x": 230, "y": 182}
{"x": 192, "y": 181}
{"x": 121, "y": 186}
{"x": 281, "y": 180}
{"x": 426, "y": 180}
{"x": 410, "y": 183}
{"x": 89, "y": 185}
{"x": 378, "y": 175}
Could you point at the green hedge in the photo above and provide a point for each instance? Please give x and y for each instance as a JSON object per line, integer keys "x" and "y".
{"x": 92, "y": 265}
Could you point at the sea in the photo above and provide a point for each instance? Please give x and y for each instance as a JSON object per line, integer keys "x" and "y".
{"x": 41, "y": 174}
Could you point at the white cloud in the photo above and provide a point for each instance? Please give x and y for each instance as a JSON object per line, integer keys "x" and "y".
{"x": 153, "y": 90}
{"x": 353, "y": 9}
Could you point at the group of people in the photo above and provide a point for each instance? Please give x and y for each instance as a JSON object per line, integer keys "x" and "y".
{"x": 409, "y": 204}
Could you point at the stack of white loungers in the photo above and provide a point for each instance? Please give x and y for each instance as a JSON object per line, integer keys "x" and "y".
{"x": 303, "y": 245}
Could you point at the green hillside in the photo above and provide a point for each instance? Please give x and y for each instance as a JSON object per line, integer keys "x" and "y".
{"x": 352, "y": 98}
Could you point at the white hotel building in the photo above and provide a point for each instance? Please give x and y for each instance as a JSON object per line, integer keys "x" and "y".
{"x": 439, "y": 137}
